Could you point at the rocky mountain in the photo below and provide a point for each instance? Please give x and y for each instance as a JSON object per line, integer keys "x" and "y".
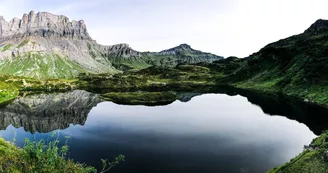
{"x": 43, "y": 45}
{"x": 180, "y": 55}
{"x": 47, "y": 112}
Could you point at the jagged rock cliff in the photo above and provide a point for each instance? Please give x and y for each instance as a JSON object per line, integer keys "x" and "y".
{"x": 44, "y": 45}
{"x": 47, "y": 112}
{"x": 45, "y": 25}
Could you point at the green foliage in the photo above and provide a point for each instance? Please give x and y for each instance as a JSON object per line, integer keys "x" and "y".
{"x": 6, "y": 47}
{"x": 7, "y": 92}
{"x": 185, "y": 78}
{"x": 140, "y": 98}
{"x": 310, "y": 160}
{"x": 38, "y": 156}
{"x": 109, "y": 165}
{"x": 43, "y": 156}
{"x": 23, "y": 43}
{"x": 40, "y": 66}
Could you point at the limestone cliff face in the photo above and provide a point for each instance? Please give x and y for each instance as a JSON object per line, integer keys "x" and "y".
{"x": 51, "y": 36}
{"x": 43, "y": 24}
{"x": 47, "y": 112}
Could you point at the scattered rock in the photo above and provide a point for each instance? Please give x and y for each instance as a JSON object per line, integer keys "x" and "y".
{"x": 325, "y": 156}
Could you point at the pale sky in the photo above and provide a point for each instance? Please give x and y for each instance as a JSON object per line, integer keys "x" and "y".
{"x": 224, "y": 27}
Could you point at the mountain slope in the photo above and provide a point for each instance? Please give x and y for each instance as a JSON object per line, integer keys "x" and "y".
{"x": 179, "y": 55}
{"x": 297, "y": 66}
{"x": 123, "y": 57}
{"x": 48, "y": 36}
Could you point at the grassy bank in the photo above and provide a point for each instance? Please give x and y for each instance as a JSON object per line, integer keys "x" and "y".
{"x": 312, "y": 159}
{"x": 140, "y": 98}
{"x": 44, "y": 156}
{"x": 317, "y": 94}
{"x": 38, "y": 157}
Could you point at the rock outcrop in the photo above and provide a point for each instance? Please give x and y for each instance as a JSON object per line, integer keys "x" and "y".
{"x": 45, "y": 25}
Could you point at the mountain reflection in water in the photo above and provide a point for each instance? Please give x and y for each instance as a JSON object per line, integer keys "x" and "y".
{"x": 228, "y": 134}
{"x": 48, "y": 112}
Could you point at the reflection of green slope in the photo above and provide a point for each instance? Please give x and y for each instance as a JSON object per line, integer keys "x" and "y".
{"x": 41, "y": 66}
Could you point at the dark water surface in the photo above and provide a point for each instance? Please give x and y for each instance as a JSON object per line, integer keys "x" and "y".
{"x": 209, "y": 133}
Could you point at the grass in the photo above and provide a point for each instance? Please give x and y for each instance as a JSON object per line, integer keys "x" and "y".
{"x": 40, "y": 66}
{"x": 23, "y": 43}
{"x": 140, "y": 98}
{"x": 7, "y": 92}
{"x": 38, "y": 157}
{"x": 43, "y": 156}
{"x": 7, "y": 47}
{"x": 310, "y": 160}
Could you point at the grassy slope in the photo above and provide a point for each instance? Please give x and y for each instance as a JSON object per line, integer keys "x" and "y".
{"x": 296, "y": 66}
{"x": 39, "y": 66}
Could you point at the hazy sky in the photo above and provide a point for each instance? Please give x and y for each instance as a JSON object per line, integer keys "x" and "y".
{"x": 223, "y": 27}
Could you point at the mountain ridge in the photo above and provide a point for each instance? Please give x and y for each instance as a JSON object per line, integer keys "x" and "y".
{"x": 59, "y": 39}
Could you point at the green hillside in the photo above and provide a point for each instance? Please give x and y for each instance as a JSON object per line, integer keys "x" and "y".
{"x": 40, "y": 66}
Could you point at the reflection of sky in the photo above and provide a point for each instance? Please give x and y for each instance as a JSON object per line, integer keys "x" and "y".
{"x": 209, "y": 127}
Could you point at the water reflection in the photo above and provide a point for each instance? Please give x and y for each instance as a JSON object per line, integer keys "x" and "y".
{"x": 48, "y": 112}
{"x": 198, "y": 133}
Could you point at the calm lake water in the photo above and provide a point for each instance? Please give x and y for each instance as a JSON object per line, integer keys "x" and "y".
{"x": 209, "y": 133}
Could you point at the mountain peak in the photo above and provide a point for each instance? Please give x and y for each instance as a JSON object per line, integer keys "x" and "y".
{"x": 43, "y": 24}
{"x": 319, "y": 25}
{"x": 184, "y": 46}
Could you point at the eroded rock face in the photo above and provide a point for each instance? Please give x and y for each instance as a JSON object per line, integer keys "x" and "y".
{"x": 43, "y": 24}
{"x": 48, "y": 112}
{"x": 50, "y": 35}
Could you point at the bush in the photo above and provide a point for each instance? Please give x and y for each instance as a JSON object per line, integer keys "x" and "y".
{"x": 41, "y": 156}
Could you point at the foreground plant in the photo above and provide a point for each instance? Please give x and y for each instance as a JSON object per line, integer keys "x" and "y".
{"x": 42, "y": 156}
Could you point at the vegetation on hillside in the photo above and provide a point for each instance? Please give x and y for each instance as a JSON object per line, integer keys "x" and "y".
{"x": 140, "y": 98}
{"x": 40, "y": 66}
{"x": 7, "y": 92}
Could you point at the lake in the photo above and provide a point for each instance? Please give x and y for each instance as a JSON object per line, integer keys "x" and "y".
{"x": 198, "y": 133}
